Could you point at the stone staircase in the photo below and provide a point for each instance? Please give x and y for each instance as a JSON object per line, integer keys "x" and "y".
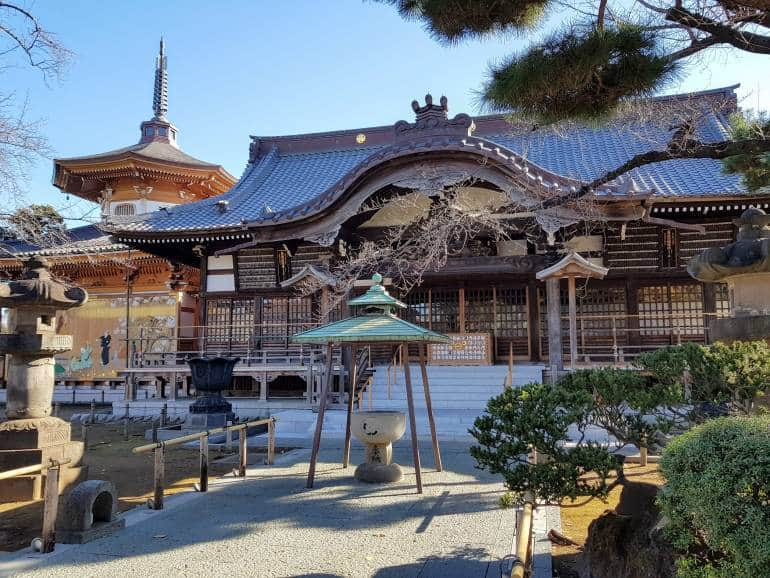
{"x": 459, "y": 394}
{"x": 451, "y": 387}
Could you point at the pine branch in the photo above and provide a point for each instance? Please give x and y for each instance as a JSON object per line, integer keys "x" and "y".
{"x": 748, "y": 41}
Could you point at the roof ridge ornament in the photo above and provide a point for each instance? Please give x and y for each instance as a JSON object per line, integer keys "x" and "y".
{"x": 433, "y": 120}
{"x": 160, "y": 93}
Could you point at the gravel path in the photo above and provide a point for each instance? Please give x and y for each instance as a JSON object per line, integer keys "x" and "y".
{"x": 269, "y": 525}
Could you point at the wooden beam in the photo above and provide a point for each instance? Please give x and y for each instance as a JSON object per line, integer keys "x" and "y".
{"x": 412, "y": 421}
{"x": 50, "y": 508}
{"x": 158, "y": 478}
{"x": 353, "y": 377}
{"x": 555, "y": 357}
{"x": 572, "y": 322}
{"x": 320, "y": 419}
{"x": 429, "y": 407}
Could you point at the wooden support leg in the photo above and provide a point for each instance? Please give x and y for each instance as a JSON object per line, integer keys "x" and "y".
{"x": 429, "y": 407}
{"x": 412, "y": 424}
{"x": 203, "y": 485}
{"x": 271, "y": 442}
{"x": 160, "y": 474}
{"x": 353, "y": 378}
{"x": 320, "y": 420}
{"x": 242, "y": 449}
{"x": 50, "y": 507}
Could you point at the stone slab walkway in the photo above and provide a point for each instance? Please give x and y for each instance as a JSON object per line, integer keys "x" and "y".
{"x": 269, "y": 525}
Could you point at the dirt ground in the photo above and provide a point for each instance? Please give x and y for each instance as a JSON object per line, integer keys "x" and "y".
{"x": 577, "y": 516}
{"x": 109, "y": 457}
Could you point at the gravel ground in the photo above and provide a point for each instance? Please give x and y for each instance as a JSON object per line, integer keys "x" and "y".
{"x": 269, "y": 525}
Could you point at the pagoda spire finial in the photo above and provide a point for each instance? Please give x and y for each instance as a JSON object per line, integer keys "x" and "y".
{"x": 160, "y": 95}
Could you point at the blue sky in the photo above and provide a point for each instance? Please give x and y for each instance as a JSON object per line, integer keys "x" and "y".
{"x": 267, "y": 68}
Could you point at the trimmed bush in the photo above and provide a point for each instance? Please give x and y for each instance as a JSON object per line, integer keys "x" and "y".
{"x": 716, "y": 498}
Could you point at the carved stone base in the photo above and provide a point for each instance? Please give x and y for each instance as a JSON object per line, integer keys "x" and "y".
{"x": 28, "y": 442}
{"x": 21, "y": 434}
{"x": 203, "y": 421}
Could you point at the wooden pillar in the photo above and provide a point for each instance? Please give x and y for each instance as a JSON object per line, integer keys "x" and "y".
{"x": 634, "y": 336}
{"x": 573, "y": 346}
{"x": 429, "y": 408}
{"x": 412, "y": 421}
{"x": 242, "y": 452}
{"x": 555, "y": 357}
{"x": 203, "y": 485}
{"x": 533, "y": 321}
{"x": 159, "y": 478}
{"x": 320, "y": 419}
{"x": 50, "y": 508}
{"x": 353, "y": 376}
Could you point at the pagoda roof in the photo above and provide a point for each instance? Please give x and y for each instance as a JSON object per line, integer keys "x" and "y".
{"x": 153, "y": 151}
{"x": 301, "y": 175}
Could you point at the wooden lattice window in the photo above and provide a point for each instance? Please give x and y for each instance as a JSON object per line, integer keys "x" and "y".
{"x": 275, "y": 319}
{"x": 218, "y": 319}
{"x": 512, "y": 312}
{"x": 479, "y": 311}
{"x": 242, "y": 319}
{"x": 418, "y": 303}
{"x": 300, "y": 314}
{"x": 669, "y": 310}
{"x": 445, "y": 310}
{"x": 722, "y": 299}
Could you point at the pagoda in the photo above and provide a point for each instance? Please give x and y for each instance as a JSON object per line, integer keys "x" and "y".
{"x": 146, "y": 176}
{"x": 132, "y": 292}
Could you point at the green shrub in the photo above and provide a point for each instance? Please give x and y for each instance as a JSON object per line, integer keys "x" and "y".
{"x": 537, "y": 416}
{"x": 716, "y": 498}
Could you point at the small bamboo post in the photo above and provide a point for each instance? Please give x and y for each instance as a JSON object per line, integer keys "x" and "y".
{"x": 50, "y": 507}
{"x": 203, "y": 485}
{"x": 92, "y": 415}
{"x": 163, "y": 414}
{"x": 84, "y": 434}
{"x": 271, "y": 442}
{"x": 643, "y": 451}
{"x": 126, "y": 421}
{"x": 159, "y": 478}
{"x": 73, "y": 395}
{"x": 154, "y": 431}
{"x": 242, "y": 452}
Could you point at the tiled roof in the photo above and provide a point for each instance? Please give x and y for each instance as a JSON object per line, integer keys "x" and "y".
{"x": 87, "y": 239}
{"x": 152, "y": 151}
{"x": 296, "y": 175}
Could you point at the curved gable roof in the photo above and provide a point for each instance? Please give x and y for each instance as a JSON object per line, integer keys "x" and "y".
{"x": 294, "y": 176}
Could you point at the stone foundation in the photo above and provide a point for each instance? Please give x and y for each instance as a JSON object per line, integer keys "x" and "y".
{"x": 28, "y": 442}
{"x": 745, "y": 328}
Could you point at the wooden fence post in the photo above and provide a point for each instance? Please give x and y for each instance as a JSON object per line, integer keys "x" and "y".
{"x": 203, "y": 485}
{"x": 92, "y": 416}
{"x": 84, "y": 434}
{"x": 242, "y": 449}
{"x": 270, "y": 442}
{"x": 125, "y": 424}
{"x": 56, "y": 409}
{"x": 159, "y": 478}
{"x": 228, "y": 437}
{"x": 50, "y": 507}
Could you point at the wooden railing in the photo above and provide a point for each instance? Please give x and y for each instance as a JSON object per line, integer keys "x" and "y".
{"x": 159, "y": 450}
{"x": 621, "y": 338}
{"x": 47, "y": 542}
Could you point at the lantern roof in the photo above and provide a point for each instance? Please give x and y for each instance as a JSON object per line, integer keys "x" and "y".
{"x": 376, "y": 323}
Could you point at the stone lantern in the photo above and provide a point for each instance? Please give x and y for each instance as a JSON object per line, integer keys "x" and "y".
{"x": 31, "y": 435}
{"x": 745, "y": 266}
